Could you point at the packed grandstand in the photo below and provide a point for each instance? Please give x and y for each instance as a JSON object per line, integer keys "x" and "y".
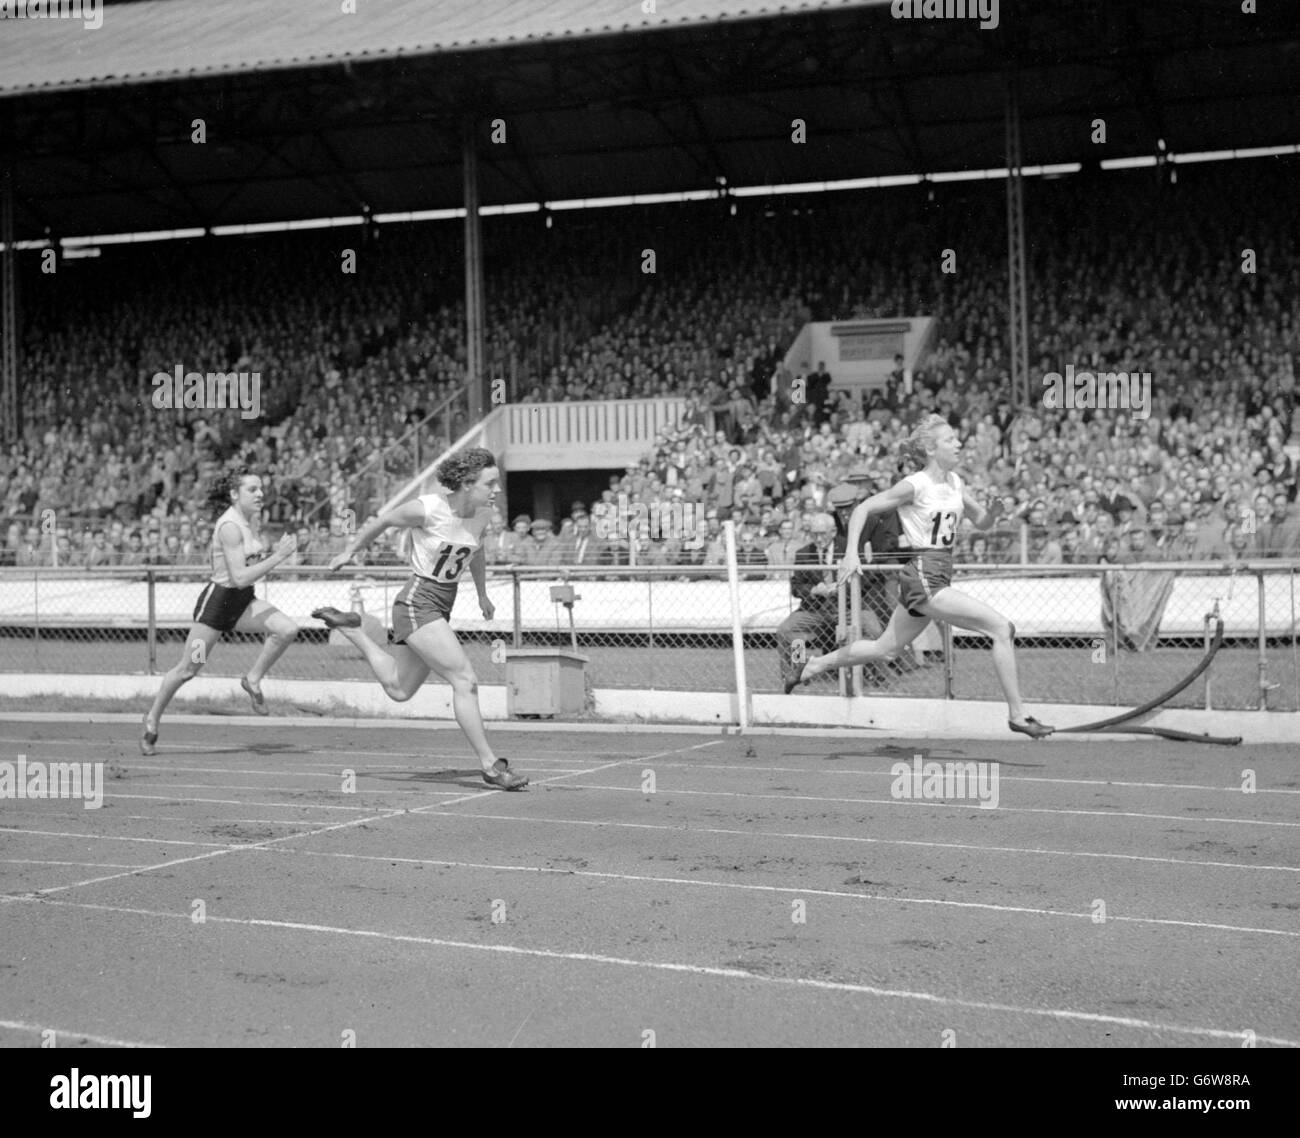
{"x": 363, "y": 377}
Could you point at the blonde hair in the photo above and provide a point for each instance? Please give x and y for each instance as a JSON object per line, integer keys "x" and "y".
{"x": 915, "y": 450}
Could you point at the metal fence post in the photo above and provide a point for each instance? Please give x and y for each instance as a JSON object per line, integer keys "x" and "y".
{"x": 1263, "y": 647}
{"x": 650, "y": 607}
{"x": 855, "y": 627}
{"x": 1117, "y": 593}
{"x": 737, "y": 629}
{"x": 1210, "y": 618}
{"x": 842, "y": 617}
{"x": 1295, "y": 636}
{"x": 517, "y": 594}
{"x": 152, "y": 634}
{"x": 947, "y": 660}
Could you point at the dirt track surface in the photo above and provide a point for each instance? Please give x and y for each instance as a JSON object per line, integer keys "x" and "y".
{"x": 767, "y": 891}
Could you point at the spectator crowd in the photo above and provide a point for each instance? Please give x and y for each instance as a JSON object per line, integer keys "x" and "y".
{"x": 351, "y": 362}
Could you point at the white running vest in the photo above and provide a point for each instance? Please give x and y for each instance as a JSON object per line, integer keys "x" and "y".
{"x": 251, "y": 542}
{"x": 441, "y": 549}
{"x": 934, "y": 515}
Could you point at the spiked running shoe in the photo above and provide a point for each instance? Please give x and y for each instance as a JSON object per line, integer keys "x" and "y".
{"x": 336, "y": 618}
{"x": 255, "y": 694}
{"x": 503, "y": 777}
{"x": 796, "y": 679}
{"x": 1031, "y": 727}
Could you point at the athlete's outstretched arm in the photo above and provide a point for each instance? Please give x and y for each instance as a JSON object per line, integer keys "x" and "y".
{"x": 899, "y": 494}
{"x": 981, "y": 518}
{"x": 408, "y": 514}
{"x": 241, "y": 573}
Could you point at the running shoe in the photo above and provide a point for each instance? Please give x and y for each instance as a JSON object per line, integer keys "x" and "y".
{"x": 255, "y": 694}
{"x": 337, "y": 618}
{"x": 503, "y": 777}
{"x": 148, "y": 739}
{"x": 1031, "y": 727}
{"x": 796, "y": 679}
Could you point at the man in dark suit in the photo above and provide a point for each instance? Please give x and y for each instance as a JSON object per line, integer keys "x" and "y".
{"x": 819, "y": 392}
{"x": 880, "y": 543}
{"x": 811, "y": 629}
{"x": 579, "y": 547}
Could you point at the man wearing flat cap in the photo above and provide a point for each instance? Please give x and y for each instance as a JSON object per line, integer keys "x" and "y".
{"x": 811, "y": 629}
{"x": 514, "y": 543}
{"x": 543, "y": 547}
{"x": 881, "y": 539}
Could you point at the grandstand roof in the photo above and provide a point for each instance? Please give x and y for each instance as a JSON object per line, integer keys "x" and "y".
{"x": 151, "y": 40}
{"x": 310, "y": 113}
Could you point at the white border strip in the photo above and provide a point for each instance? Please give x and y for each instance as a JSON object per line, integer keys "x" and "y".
{"x": 350, "y": 703}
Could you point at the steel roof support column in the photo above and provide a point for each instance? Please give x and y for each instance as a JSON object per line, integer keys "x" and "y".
{"x": 475, "y": 371}
{"x": 9, "y": 422}
{"x": 1018, "y": 340}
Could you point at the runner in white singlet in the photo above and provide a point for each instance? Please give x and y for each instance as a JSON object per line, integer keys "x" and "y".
{"x": 443, "y": 538}
{"x": 930, "y": 505}
{"x": 228, "y": 603}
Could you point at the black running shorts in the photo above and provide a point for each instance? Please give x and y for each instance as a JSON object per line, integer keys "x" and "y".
{"x": 924, "y": 575}
{"x": 220, "y": 606}
{"x": 421, "y": 601}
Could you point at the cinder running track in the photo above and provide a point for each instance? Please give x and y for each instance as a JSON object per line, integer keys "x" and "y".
{"x": 767, "y": 891}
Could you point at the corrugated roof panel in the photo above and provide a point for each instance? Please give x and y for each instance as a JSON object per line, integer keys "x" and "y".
{"x": 168, "y": 39}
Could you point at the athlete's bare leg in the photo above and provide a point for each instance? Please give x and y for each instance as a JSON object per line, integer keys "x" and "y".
{"x": 437, "y": 645}
{"x": 903, "y": 629}
{"x": 399, "y": 672}
{"x": 280, "y": 631}
{"x": 198, "y": 644}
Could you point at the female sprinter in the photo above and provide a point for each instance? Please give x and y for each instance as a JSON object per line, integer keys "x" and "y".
{"x": 930, "y": 504}
{"x": 445, "y": 536}
{"x": 228, "y": 603}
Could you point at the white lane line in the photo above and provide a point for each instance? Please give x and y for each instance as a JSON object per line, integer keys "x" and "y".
{"x": 956, "y": 804}
{"x": 331, "y": 773}
{"x": 237, "y": 802}
{"x": 164, "y": 785}
{"x": 690, "y": 830}
{"x": 316, "y": 752}
{"x": 903, "y": 899}
{"x": 1065, "y": 1014}
{"x": 521, "y": 1028}
{"x": 189, "y": 819}
{"x": 558, "y": 777}
{"x": 219, "y": 747}
{"x": 100, "y": 1040}
{"x": 38, "y": 893}
{"x": 85, "y": 864}
{"x": 1002, "y": 776}
{"x": 114, "y": 838}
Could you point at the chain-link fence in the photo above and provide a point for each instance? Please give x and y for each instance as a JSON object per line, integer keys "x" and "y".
{"x": 1127, "y": 634}
{"x": 1085, "y": 634}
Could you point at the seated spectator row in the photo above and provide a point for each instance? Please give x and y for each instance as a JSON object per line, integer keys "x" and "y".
{"x": 350, "y": 361}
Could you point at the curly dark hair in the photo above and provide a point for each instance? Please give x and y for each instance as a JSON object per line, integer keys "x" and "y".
{"x": 463, "y": 468}
{"x": 226, "y": 483}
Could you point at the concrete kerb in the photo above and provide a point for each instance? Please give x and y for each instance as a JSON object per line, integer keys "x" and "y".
{"x": 350, "y": 704}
